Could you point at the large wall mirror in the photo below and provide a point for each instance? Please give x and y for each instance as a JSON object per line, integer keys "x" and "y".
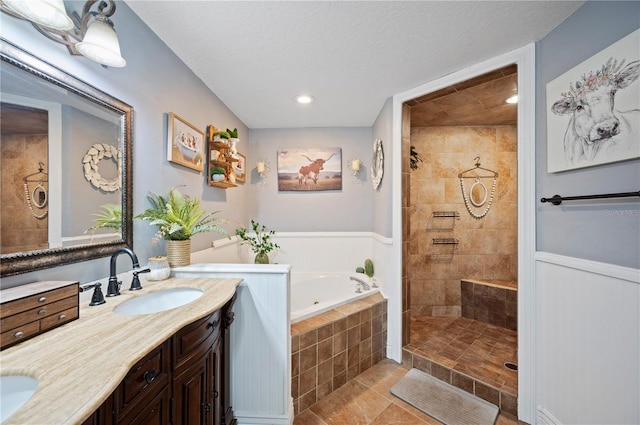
{"x": 66, "y": 193}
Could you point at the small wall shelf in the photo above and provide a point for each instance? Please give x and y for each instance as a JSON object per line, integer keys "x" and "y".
{"x": 223, "y": 151}
{"x": 222, "y": 184}
{"x": 446, "y": 214}
{"x": 445, "y": 241}
{"x": 442, "y": 221}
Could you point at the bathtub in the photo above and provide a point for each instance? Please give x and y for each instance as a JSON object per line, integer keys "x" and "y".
{"x": 315, "y": 293}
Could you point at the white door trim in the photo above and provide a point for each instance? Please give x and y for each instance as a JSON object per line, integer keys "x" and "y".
{"x": 525, "y": 59}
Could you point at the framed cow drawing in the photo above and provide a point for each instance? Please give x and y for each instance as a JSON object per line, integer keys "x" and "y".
{"x": 310, "y": 169}
{"x": 593, "y": 110}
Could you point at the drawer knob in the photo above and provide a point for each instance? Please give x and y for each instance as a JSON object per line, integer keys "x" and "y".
{"x": 213, "y": 324}
{"x": 150, "y": 375}
{"x": 41, "y": 312}
{"x": 42, "y": 299}
{"x": 62, "y": 317}
{"x": 18, "y": 334}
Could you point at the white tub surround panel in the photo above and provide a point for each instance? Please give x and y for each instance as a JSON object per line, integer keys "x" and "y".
{"x": 260, "y": 340}
{"x": 382, "y": 251}
{"x": 588, "y": 349}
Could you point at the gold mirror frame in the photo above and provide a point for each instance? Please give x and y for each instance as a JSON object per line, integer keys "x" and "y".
{"x": 28, "y": 261}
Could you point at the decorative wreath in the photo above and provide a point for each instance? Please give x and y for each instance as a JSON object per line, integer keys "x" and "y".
{"x": 90, "y": 162}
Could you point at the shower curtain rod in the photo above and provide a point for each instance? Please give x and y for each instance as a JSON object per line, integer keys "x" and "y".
{"x": 557, "y": 199}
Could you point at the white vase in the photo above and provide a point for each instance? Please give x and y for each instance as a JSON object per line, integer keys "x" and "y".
{"x": 234, "y": 146}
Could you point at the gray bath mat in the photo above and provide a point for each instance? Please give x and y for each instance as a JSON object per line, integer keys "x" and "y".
{"x": 442, "y": 401}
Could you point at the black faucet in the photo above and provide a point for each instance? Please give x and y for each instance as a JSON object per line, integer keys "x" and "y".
{"x": 114, "y": 284}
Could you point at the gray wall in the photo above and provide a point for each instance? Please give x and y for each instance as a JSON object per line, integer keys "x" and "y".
{"x": 382, "y": 200}
{"x": 349, "y": 209}
{"x": 605, "y": 231}
{"x": 154, "y": 82}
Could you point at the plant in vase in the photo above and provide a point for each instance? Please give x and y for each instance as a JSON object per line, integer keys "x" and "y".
{"x": 178, "y": 217}
{"x": 259, "y": 240}
{"x": 218, "y": 174}
{"x": 233, "y": 142}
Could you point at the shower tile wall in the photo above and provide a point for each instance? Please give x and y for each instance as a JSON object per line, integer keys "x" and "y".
{"x": 487, "y": 247}
{"x": 20, "y": 155}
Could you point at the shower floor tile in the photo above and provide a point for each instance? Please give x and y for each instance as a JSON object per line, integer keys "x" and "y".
{"x": 470, "y": 347}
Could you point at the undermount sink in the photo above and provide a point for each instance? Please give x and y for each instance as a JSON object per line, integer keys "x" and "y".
{"x": 15, "y": 390}
{"x": 156, "y": 302}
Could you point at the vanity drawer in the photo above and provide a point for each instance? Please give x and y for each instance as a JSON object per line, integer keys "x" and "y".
{"x": 34, "y": 301}
{"x": 38, "y": 313}
{"x": 59, "y": 318}
{"x": 195, "y": 339}
{"x": 18, "y": 334}
{"x": 35, "y": 308}
{"x": 144, "y": 380}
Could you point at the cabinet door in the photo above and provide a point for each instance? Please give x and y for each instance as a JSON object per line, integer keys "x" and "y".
{"x": 157, "y": 412}
{"x": 217, "y": 382}
{"x": 191, "y": 393}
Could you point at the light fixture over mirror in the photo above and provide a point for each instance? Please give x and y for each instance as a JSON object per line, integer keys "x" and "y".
{"x": 91, "y": 35}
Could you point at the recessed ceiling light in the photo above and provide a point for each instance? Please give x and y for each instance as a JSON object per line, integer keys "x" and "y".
{"x": 513, "y": 99}
{"x": 304, "y": 98}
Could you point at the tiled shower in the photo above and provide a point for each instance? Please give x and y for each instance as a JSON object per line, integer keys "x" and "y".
{"x": 463, "y": 333}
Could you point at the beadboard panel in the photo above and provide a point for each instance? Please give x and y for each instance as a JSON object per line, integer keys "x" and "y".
{"x": 588, "y": 341}
{"x": 324, "y": 251}
{"x": 260, "y": 340}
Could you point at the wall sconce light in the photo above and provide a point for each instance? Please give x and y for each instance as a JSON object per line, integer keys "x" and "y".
{"x": 355, "y": 165}
{"x": 91, "y": 35}
{"x": 263, "y": 168}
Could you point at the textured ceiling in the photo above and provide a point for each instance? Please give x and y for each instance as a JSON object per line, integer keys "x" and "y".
{"x": 350, "y": 55}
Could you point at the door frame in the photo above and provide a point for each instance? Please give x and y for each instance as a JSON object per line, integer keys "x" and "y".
{"x": 524, "y": 58}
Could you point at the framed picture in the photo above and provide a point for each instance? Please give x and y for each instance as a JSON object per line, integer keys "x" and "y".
{"x": 310, "y": 169}
{"x": 593, "y": 110}
{"x": 240, "y": 168}
{"x": 185, "y": 143}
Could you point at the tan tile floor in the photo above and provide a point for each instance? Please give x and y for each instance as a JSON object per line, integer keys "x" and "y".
{"x": 366, "y": 400}
{"x": 473, "y": 348}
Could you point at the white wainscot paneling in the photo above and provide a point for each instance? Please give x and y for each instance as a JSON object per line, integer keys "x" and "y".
{"x": 588, "y": 342}
{"x": 260, "y": 340}
{"x": 324, "y": 251}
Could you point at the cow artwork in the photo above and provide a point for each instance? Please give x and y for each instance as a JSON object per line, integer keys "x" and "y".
{"x": 597, "y": 114}
{"x": 311, "y": 169}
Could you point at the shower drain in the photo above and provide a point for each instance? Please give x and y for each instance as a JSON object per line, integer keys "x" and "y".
{"x": 511, "y": 366}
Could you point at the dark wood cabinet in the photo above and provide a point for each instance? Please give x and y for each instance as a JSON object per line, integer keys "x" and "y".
{"x": 155, "y": 412}
{"x": 192, "y": 393}
{"x": 184, "y": 381}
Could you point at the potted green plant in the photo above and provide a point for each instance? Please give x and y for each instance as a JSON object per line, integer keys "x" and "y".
{"x": 259, "y": 241}
{"x": 178, "y": 217}
{"x": 218, "y": 174}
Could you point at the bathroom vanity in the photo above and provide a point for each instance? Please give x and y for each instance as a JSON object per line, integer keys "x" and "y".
{"x": 109, "y": 368}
